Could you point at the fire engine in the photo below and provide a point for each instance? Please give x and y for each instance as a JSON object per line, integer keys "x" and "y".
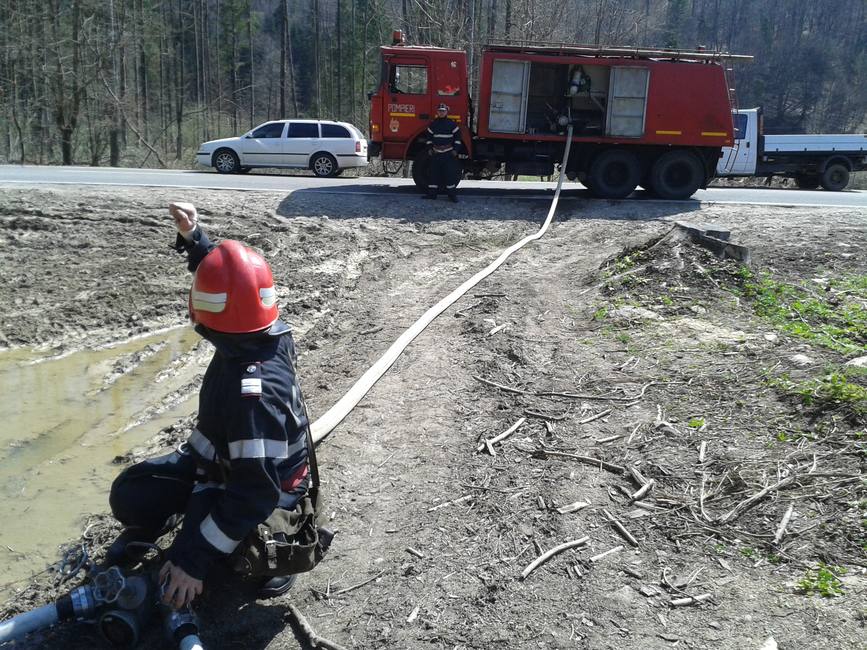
{"x": 655, "y": 118}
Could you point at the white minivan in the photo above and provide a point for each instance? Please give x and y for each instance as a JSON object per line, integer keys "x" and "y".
{"x": 324, "y": 147}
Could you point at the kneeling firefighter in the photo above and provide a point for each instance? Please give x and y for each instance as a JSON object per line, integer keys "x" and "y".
{"x": 444, "y": 144}
{"x": 245, "y": 481}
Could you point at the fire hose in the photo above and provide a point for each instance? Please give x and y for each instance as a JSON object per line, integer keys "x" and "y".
{"x": 335, "y": 415}
{"x": 119, "y": 604}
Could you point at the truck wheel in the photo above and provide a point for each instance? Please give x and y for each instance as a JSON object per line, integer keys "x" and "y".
{"x": 676, "y": 175}
{"x": 226, "y": 161}
{"x": 614, "y": 174}
{"x": 807, "y": 181}
{"x": 421, "y": 171}
{"x": 835, "y": 178}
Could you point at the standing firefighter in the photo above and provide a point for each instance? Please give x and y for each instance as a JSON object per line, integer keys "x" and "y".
{"x": 245, "y": 481}
{"x": 444, "y": 143}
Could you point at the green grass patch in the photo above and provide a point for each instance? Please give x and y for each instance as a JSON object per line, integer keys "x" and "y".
{"x": 842, "y": 388}
{"x": 833, "y": 315}
{"x": 823, "y": 580}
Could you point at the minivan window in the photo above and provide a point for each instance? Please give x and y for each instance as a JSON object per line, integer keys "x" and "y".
{"x": 334, "y": 131}
{"x": 270, "y": 130}
{"x": 303, "y": 130}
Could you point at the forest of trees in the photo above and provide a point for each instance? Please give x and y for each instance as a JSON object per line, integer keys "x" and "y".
{"x": 143, "y": 82}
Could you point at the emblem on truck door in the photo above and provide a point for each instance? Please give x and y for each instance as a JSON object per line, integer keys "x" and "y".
{"x": 394, "y": 125}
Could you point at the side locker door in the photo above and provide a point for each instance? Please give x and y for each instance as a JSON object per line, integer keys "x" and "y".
{"x": 508, "y": 110}
{"x": 408, "y": 105}
{"x": 627, "y": 102}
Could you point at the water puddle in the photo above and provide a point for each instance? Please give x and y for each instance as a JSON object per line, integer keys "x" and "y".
{"x": 63, "y": 420}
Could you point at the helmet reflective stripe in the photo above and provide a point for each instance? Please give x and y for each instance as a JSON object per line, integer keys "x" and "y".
{"x": 268, "y": 296}
{"x": 212, "y": 302}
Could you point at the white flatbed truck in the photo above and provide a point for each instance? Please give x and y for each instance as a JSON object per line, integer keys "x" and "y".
{"x": 812, "y": 160}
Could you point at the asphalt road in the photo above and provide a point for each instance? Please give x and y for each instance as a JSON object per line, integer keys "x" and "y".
{"x": 286, "y": 183}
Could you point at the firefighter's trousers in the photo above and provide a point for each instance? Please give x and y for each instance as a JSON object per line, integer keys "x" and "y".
{"x": 444, "y": 174}
{"x": 148, "y": 494}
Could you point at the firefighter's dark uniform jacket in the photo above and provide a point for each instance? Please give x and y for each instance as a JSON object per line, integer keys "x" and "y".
{"x": 246, "y": 456}
{"x": 444, "y": 136}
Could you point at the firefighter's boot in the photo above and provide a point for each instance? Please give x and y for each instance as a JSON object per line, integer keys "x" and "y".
{"x": 276, "y": 586}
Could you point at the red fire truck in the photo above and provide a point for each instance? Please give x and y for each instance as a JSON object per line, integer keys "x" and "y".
{"x": 655, "y": 118}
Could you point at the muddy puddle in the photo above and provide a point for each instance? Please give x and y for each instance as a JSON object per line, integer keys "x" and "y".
{"x": 63, "y": 419}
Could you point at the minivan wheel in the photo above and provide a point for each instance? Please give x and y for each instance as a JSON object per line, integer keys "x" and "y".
{"x": 226, "y": 161}
{"x": 324, "y": 165}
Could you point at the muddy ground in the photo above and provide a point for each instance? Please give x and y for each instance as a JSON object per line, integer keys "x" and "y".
{"x": 612, "y": 339}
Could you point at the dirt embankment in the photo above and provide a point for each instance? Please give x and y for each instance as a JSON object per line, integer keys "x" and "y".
{"x": 629, "y": 356}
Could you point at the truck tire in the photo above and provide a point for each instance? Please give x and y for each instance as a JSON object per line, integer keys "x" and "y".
{"x": 676, "y": 175}
{"x": 421, "y": 170}
{"x": 614, "y": 174}
{"x": 835, "y": 177}
{"x": 226, "y": 161}
{"x": 807, "y": 181}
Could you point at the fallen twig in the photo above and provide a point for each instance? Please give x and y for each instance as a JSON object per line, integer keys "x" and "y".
{"x": 572, "y": 507}
{"x": 596, "y": 558}
{"x": 612, "y": 398}
{"x": 589, "y": 460}
{"x": 539, "y": 561}
{"x": 492, "y": 441}
{"x": 781, "y": 529}
{"x": 445, "y": 504}
{"x": 595, "y": 417}
{"x": 313, "y": 639}
{"x": 689, "y": 600}
{"x": 620, "y": 528}
{"x": 353, "y": 587}
{"x": 643, "y": 490}
{"x": 748, "y": 503}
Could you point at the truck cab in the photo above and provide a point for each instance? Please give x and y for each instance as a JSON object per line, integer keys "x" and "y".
{"x": 413, "y": 82}
{"x": 740, "y": 159}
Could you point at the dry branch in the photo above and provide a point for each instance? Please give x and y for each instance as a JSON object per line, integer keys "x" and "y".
{"x": 689, "y": 600}
{"x": 539, "y": 561}
{"x": 781, "y": 529}
{"x": 445, "y": 504}
{"x": 748, "y": 503}
{"x": 596, "y": 417}
{"x": 596, "y": 558}
{"x": 620, "y": 528}
{"x": 589, "y": 460}
{"x": 643, "y": 490}
{"x": 572, "y": 507}
{"x": 313, "y": 639}
{"x": 489, "y": 443}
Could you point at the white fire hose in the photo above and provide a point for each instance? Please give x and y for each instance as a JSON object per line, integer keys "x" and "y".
{"x": 335, "y": 415}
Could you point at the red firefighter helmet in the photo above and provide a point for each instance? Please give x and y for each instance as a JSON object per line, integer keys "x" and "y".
{"x": 233, "y": 290}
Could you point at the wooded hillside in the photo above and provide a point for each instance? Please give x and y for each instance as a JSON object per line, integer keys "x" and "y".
{"x": 143, "y": 82}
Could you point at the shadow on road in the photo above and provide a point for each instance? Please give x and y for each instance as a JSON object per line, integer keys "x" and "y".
{"x": 404, "y": 202}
